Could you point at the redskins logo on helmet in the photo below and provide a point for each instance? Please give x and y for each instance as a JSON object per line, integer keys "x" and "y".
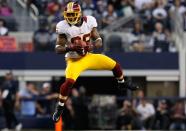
{"x": 72, "y": 13}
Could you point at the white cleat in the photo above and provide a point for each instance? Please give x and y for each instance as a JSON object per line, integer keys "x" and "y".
{"x": 18, "y": 127}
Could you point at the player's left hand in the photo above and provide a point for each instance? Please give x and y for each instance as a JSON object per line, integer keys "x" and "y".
{"x": 83, "y": 47}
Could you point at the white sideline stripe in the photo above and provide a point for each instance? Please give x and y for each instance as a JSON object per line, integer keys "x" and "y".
{"x": 42, "y": 75}
{"x": 92, "y": 73}
{"x": 162, "y": 78}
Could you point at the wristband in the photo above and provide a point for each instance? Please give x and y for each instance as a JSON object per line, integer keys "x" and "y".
{"x": 98, "y": 39}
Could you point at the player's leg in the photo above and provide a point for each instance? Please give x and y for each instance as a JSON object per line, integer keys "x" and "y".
{"x": 73, "y": 70}
{"x": 122, "y": 84}
{"x": 102, "y": 62}
{"x": 63, "y": 95}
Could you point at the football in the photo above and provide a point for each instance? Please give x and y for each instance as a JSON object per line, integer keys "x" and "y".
{"x": 80, "y": 43}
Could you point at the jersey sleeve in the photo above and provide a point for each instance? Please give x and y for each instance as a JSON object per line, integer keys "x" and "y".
{"x": 92, "y": 21}
{"x": 61, "y": 28}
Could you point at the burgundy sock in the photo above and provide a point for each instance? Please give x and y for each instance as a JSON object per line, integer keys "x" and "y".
{"x": 65, "y": 89}
{"x": 117, "y": 71}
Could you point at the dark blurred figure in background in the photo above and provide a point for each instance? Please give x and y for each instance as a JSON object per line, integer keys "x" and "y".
{"x": 109, "y": 16}
{"x": 79, "y": 103}
{"x": 101, "y": 5}
{"x": 144, "y": 9}
{"x": 140, "y": 95}
{"x": 53, "y": 10}
{"x": 126, "y": 8}
{"x": 159, "y": 13}
{"x": 160, "y": 38}
{"x": 3, "y": 29}
{"x": 44, "y": 106}
{"x": 146, "y": 111}
{"x": 178, "y": 116}
{"x": 42, "y": 37}
{"x": 40, "y": 4}
{"x": 137, "y": 42}
{"x": 7, "y": 14}
{"x": 76, "y": 110}
{"x": 28, "y": 108}
{"x": 5, "y": 10}
{"x": 162, "y": 119}
{"x": 69, "y": 114}
{"x": 88, "y": 7}
{"x": 10, "y": 100}
{"x": 127, "y": 118}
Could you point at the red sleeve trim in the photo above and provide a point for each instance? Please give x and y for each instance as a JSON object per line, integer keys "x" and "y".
{"x": 85, "y": 18}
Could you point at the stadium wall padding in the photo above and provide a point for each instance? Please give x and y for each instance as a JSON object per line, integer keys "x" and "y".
{"x": 50, "y": 60}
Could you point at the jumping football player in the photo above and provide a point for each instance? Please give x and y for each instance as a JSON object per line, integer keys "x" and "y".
{"x": 77, "y": 37}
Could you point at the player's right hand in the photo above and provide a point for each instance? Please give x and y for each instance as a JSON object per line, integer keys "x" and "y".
{"x": 89, "y": 47}
{"x": 78, "y": 48}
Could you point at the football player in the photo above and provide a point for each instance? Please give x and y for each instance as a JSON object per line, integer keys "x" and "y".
{"x": 74, "y": 35}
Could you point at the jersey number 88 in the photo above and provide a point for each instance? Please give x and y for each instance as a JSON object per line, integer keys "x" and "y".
{"x": 85, "y": 37}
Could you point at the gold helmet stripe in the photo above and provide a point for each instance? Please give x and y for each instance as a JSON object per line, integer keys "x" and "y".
{"x": 76, "y": 14}
{"x": 70, "y": 6}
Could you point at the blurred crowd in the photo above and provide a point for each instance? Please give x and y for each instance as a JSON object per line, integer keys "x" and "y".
{"x": 153, "y": 27}
{"x": 28, "y": 101}
{"x": 8, "y": 18}
{"x": 143, "y": 113}
{"x": 89, "y": 112}
{"x": 5, "y": 11}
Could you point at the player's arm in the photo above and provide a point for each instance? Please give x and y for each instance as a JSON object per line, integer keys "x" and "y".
{"x": 97, "y": 41}
{"x": 60, "y": 44}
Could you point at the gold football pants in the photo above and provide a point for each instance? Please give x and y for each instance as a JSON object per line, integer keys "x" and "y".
{"x": 88, "y": 62}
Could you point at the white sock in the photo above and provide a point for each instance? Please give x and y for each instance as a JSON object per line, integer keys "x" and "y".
{"x": 60, "y": 103}
{"x": 121, "y": 81}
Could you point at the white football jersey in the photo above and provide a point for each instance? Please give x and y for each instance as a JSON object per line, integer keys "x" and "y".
{"x": 76, "y": 32}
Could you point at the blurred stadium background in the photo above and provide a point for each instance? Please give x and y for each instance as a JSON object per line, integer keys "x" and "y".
{"x": 146, "y": 36}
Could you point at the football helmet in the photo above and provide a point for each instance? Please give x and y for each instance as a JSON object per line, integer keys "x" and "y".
{"x": 72, "y": 13}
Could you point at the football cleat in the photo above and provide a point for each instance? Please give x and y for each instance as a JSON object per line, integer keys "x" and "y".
{"x": 127, "y": 85}
{"x": 18, "y": 127}
{"x": 57, "y": 114}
